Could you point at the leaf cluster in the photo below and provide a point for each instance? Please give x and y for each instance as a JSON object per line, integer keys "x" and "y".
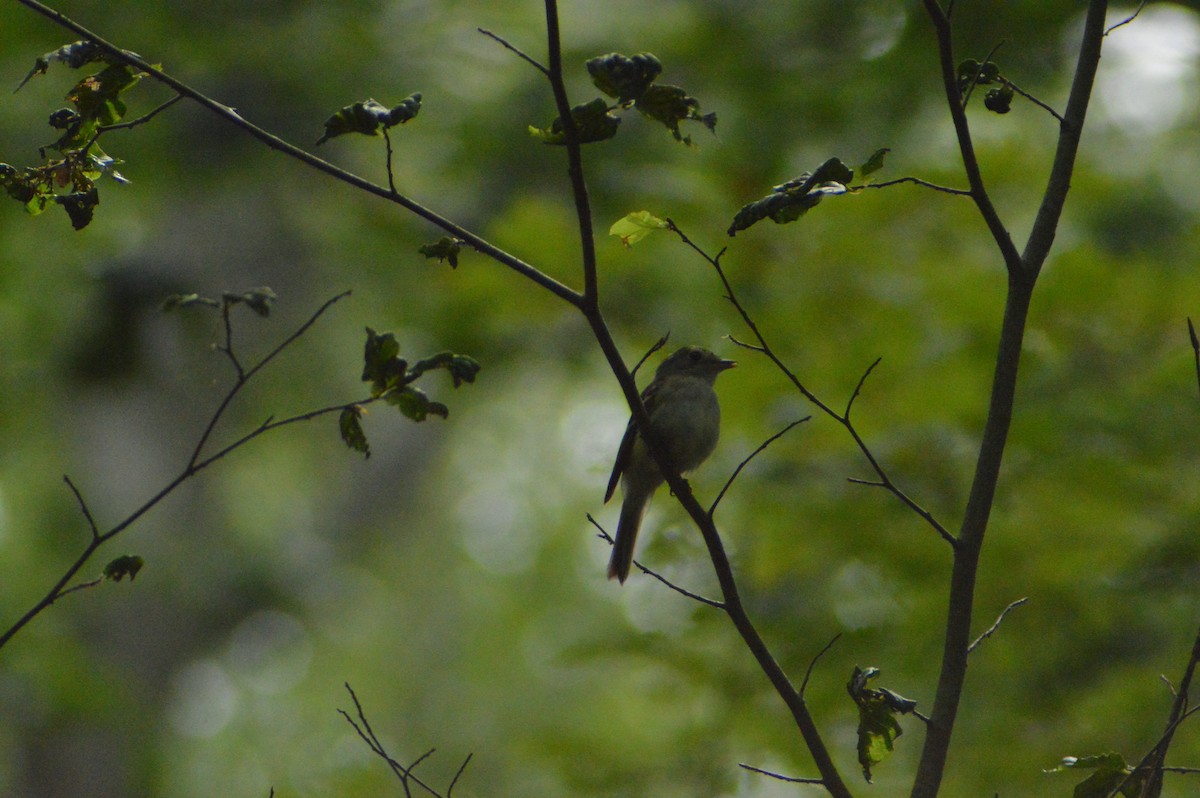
{"x": 972, "y": 73}
{"x": 68, "y": 178}
{"x": 391, "y": 376}
{"x": 630, "y": 81}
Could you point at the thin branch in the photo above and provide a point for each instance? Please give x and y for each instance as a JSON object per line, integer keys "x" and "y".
{"x": 959, "y": 192}
{"x": 603, "y": 535}
{"x": 962, "y": 129}
{"x": 461, "y": 769}
{"x": 243, "y": 376}
{"x": 589, "y": 302}
{"x": 369, "y": 737}
{"x": 991, "y": 630}
{"x": 844, "y": 419}
{"x": 813, "y": 662}
{"x": 979, "y": 73}
{"x": 274, "y": 142}
{"x": 858, "y": 388}
{"x": 520, "y": 53}
{"x": 779, "y": 776}
{"x": 193, "y": 466}
{"x": 729, "y": 482}
{"x": 659, "y": 344}
{"x": 82, "y": 586}
{"x": 1195, "y": 347}
{"x": 1036, "y": 101}
{"x": 83, "y": 507}
{"x": 387, "y": 140}
{"x": 141, "y": 120}
{"x": 1128, "y": 19}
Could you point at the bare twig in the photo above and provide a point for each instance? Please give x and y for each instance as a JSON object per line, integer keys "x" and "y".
{"x": 779, "y": 776}
{"x": 603, "y": 535}
{"x": 1195, "y": 347}
{"x": 729, "y": 482}
{"x": 405, "y": 774}
{"x": 843, "y": 419}
{"x": 193, "y": 466}
{"x": 991, "y": 630}
{"x": 960, "y": 192}
{"x": 83, "y": 507}
{"x": 387, "y": 140}
{"x": 520, "y": 53}
{"x": 1127, "y": 19}
{"x": 813, "y": 662}
{"x": 1036, "y": 101}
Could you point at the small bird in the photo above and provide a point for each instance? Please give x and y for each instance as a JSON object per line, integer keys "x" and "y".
{"x": 686, "y": 420}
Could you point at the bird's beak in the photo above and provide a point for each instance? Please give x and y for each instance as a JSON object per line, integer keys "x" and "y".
{"x": 727, "y": 364}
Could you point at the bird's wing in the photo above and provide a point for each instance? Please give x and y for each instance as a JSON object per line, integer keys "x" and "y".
{"x": 623, "y": 454}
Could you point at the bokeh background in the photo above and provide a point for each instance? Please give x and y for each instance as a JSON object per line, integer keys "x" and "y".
{"x": 452, "y": 579}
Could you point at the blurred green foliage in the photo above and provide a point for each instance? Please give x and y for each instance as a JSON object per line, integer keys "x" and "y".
{"x": 452, "y": 578}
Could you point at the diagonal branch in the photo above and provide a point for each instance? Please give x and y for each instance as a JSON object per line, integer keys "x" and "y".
{"x": 274, "y": 142}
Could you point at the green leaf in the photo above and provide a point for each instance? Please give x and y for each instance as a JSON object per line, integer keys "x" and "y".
{"x": 622, "y": 77}
{"x": 370, "y": 118}
{"x": 1110, "y": 770}
{"x": 791, "y": 200}
{"x": 413, "y": 403}
{"x": 350, "y": 425}
{"x": 121, "y": 567}
{"x": 594, "y": 122}
{"x": 877, "y": 725}
{"x": 671, "y": 105}
{"x": 445, "y": 248}
{"x": 636, "y": 226}
{"x": 97, "y": 97}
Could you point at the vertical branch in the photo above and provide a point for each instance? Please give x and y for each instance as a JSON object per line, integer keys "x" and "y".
{"x": 583, "y": 205}
{"x": 958, "y": 113}
{"x": 1023, "y": 272}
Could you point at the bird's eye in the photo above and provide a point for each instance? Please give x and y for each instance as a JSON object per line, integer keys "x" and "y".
{"x": 695, "y": 355}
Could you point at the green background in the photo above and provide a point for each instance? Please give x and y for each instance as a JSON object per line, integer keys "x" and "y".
{"x": 453, "y": 579}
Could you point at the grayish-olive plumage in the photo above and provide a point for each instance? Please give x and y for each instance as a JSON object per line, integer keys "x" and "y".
{"x": 685, "y": 419}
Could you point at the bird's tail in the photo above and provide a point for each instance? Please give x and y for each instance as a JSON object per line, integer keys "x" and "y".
{"x": 627, "y": 529}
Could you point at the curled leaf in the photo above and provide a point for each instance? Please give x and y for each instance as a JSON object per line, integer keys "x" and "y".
{"x": 791, "y": 200}
{"x": 370, "y": 118}
{"x": 999, "y": 100}
{"x": 445, "y": 248}
{"x": 877, "y": 725}
{"x": 121, "y": 567}
{"x": 594, "y": 122}
{"x": 670, "y": 105}
{"x": 175, "y": 301}
{"x": 257, "y": 299}
{"x": 624, "y": 77}
{"x": 350, "y": 426}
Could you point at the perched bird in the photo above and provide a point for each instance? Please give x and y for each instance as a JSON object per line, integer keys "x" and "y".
{"x": 686, "y": 421}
